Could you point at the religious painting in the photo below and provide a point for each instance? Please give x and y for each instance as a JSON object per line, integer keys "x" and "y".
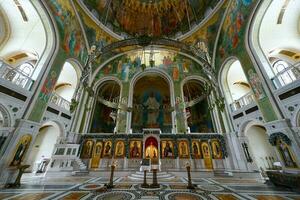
{"x": 198, "y": 115}
{"x": 135, "y": 149}
{"x": 286, "y": 154}
{"x": 97, "y": 151}
{"x": 22, "y": 148}
{"x": 206, "y": 155}
{"x": 151, "y": 104}
{"x": 87, "y": 149}
{"x": 183, "y": 149}
{"x": 120, "y": 149}
{"x": 216, "y": 149}
{"x": 256, "y": 85}
{"x": 151, "y": 149}
{"x": 196, "y": 149}
{"x": 167, "y": 147}
{"x": 107, "y": 149}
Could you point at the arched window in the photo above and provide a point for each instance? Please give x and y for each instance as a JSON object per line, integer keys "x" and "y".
{"x": 26, "y": 69}
{"x": 283, "y": 72}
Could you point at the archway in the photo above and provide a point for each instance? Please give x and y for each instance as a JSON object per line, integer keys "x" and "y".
{"x": 106, "y": 107}
{"x": 151, "y": 104}
{"x": 44, "y": 144}
{"x": 66, "y": 85}
{"x": 198, "y": 115}
{"x": 235, "y": 86}
{"x": 263, "y": 153}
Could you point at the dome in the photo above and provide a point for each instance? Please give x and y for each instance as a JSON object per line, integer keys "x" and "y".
{"x": 150, "y": 17}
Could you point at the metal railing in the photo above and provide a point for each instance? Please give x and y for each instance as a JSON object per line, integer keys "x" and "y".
{"x": 286, "y": 76}
{"x": 60, "y": 101}
{"x": 243, "y": 101}
{"x": 15, "y": 76}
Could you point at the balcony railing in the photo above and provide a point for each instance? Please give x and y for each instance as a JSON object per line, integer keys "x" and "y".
{"x": 243, "y": 101}
{"x": 14, "y": 76}
{"x": 287, "y": 76}
{"x": 60, "y": 101}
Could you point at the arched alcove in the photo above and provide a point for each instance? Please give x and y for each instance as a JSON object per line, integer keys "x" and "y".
{"x": 263, "y": 153}
{"x": 106, "y": 107}
{"x": 198, "y": 115}
{"x": 44, "y": 143}
{"x": 235, "y": 86}
{"x": 151, "y": 103}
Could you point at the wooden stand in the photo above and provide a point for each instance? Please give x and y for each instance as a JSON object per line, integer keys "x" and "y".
{"x": 154, "y": 181}
{"x": 111, "y": 180}
{"x": 190, "y": 185}
{"x": 17, "y": 182}
{"x": 145, "y": 184}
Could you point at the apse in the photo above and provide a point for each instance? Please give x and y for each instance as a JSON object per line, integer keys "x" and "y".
{"x": 197, "y": 113}
{"x": 151, "y": 104}
{"x": 105, "y": 109}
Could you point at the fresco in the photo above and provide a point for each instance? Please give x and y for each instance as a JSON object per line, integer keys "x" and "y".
{"x": 95, "y": 35}
{"x": 120, "y": 149}
{"x": 232, "y": 43}
{"x": 72, "y": 45}
{"x": 125, "y": 67}
{"x": 151, "y": 104}
{"x": 87, "y": 149}
{"x": 135, "y": 149}
{"x": 21, "y": 150}
{"x": 167, "y": 147}
{"x": 160, "y": 18}
{"x": 208, "y": 31}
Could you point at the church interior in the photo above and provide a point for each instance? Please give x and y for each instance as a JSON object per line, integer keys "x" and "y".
{"x": 150, "y": 99}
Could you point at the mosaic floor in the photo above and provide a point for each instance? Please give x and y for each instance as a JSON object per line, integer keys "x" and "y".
{"x": 75, "y": 188}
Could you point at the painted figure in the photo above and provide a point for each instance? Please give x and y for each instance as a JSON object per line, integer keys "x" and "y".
{"x": 135, "y": 150}
{"x": 168, "y": 150}
{"x": 285, "y": 154}
{"x": 153, "y": 109}
{"x": 107, "y": 149}
{"x": 195, "y": 149}
{"x": 21, "y": 150}
{"x": 120, "y": 149}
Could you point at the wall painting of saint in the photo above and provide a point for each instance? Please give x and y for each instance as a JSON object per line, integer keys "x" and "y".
{"x": 120, "y": 149}
{"x": 183, "y": 149}
{"x": 107, "y": 149}
{"x": 135, "y": 149}
{"x": 87, "y": 149}
{"x": 167, "y": 147}
{"x": 21, "y": 150}
{"x": 196, "y": 149}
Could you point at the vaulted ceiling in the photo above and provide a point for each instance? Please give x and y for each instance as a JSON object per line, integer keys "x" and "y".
{"x": 150, "y": 17}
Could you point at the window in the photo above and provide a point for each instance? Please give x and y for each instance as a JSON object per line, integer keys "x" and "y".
{"x": 283, "y": 73}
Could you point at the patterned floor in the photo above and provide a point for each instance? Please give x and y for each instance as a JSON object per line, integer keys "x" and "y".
{"x": 75, "y": 188}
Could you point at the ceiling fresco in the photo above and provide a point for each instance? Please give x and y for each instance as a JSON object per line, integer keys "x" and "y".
{"x": 150, "y": 17}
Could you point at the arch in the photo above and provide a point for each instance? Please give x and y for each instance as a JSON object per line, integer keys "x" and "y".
{"x": 44, "y": 143}
{"x": 151, "y": 71}
{"x": 198, "y": 116}
{"x": 273, "y": 17}
{"x": 234, "y": 84}
{"x": 5, "y": 119}
{"x": 66, "y": 81}
{"x": 107, "y": 100}
{"x": 199, "y": 62}
{"x": 261, "y": 151}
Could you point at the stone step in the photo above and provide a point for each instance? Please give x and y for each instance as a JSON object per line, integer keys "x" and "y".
{"x": 160, "y": 175}
{"x": 80, "y": 173}
{"x": 223, "y": 174}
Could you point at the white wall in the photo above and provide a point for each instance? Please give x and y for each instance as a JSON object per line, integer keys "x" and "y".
{"x": 70, "y": 76}
{"x": 25, "y": 36}
{"x": 259, "y": 145}
{"x": 44, "y": 144}
{"x": 236, "y": 74}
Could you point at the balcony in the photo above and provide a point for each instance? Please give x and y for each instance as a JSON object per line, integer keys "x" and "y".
{"x": 286, "y": 76}
{"x": 245, "y": 100}
{"x": 60, "y": 101}
{"x": 15, "y": 76}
